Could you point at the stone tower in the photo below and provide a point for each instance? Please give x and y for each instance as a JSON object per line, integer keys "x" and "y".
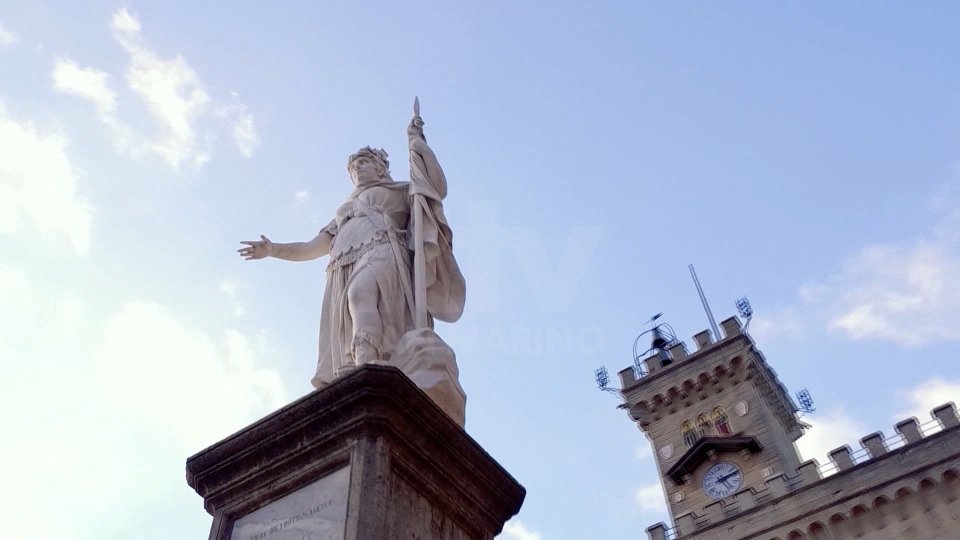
{"x": 719, "y": 420}
{"x": 723, "y": 426}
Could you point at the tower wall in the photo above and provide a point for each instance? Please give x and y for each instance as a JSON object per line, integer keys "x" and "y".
{"x": 730, "y": 374}
{"x": 905, "y": 486}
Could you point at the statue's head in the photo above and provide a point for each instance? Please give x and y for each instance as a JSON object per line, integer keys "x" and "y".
{"x": 368, "y": 165}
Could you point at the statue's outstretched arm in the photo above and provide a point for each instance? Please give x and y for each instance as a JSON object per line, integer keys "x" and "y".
{"x": 294, "y": 251}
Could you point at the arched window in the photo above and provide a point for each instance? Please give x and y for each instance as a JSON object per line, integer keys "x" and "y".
{"x": 704, "y": 426}
{"x": 721, "y": 422}
{"x": 690, "y": 435}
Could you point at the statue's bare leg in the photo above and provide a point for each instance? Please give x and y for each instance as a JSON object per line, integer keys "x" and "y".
{"x": 363, "y": 295}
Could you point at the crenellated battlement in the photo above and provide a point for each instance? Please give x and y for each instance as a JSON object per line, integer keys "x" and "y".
{"x": 698, "y": 376}
{"x": 850, "y": 485}
{"x": 679, "y": 353}
{"x": 876, "y": 445}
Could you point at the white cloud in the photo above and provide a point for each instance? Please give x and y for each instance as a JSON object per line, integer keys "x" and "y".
{"x": 7, "y": 37}
{"x": 217, "y": 383}
{"x": 300, "y": 197}
{"x": 650, "y": 498}
{"x": 170, "y": 89}
{"x": 515, "y": 530}
{"x": 89, "y": 83}
{"x": 829, "y": 431}
{"x": 178, "y": 101}
{"x": 125, "y": 23}
{"x": 105, "y": 405}
{"x": 897, "y": 292}
{"x": 245, "y": 134}
{"x": 923, "y": 398}
{"x": 785, "y": 324}
{"x": 901, "y": 293}
{"x": 904, "y": 292}
{"x": 242, "y": 128}
{"x": 38, "y": 185}
{"x": 187, "y": 119}
{"x": 231, "y": 288}
{"x": 36, "y": 335}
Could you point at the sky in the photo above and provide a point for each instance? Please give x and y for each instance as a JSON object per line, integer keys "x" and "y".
{"x": 804, "y": 155}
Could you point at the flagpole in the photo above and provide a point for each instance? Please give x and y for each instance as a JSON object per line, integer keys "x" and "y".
{"x": 419, "y": 257}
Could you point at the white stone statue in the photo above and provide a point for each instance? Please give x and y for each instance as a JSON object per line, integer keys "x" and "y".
{"x": 391, "y": 272}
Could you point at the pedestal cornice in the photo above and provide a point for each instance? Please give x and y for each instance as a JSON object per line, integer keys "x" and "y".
{"x": 376, "y": 419}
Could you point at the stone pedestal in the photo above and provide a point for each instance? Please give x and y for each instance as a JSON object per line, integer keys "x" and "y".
{"x": 369, "y": 457}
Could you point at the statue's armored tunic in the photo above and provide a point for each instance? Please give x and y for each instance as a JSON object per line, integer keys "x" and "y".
{"x": 370, "y": 244}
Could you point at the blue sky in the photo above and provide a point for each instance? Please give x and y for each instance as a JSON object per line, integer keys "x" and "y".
{"x": 805, "y": 155}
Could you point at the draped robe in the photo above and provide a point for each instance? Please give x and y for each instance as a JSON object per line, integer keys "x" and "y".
{"x": 373, "y": 234}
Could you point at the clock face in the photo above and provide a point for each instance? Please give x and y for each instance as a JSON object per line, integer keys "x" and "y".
{"x": 722, "y": 480}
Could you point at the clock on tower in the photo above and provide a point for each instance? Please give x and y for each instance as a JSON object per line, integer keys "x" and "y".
{"x": 722, "y": 480}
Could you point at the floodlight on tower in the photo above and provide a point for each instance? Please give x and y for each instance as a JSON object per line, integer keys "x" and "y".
{"x": 745, "y": 310}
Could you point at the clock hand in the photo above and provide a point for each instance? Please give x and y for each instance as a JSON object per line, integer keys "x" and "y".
{"x": 724, "y": 478}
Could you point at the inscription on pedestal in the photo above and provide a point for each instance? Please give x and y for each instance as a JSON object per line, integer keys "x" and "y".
{"x": 317, "y": 511}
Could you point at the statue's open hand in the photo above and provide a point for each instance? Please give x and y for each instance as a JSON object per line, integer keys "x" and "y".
{"x": 256, "y": 249}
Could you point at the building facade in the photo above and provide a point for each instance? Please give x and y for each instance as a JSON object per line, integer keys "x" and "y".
{"x": 723, "y": 428}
